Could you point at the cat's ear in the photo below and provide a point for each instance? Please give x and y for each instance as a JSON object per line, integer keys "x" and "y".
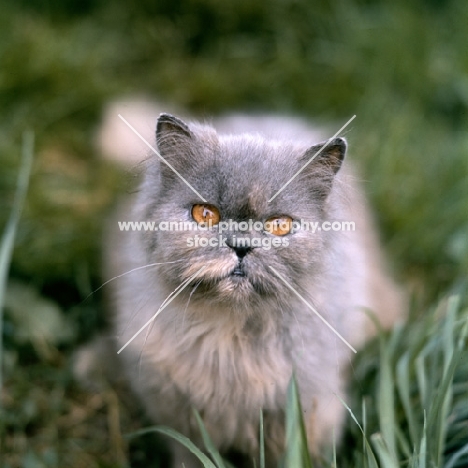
{"x": 323, "y": 162}
{"x": 174, "y": 141}
{"x": 171, "y": 133}
{"x": 329, "y": 155}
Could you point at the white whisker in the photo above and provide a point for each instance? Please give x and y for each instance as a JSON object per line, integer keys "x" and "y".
{"x": 137, "y": 310}
{"x": 126, "y": 273}
{"x": 167, "y": 301}
{"x": 164, "y": 303}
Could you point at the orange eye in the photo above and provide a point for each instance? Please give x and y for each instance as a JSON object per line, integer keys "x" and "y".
{"x": 208, "y": 214}
{"x": 279, "y": 226}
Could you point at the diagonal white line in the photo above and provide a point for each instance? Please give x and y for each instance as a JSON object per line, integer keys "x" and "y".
{"x": 312, "y": 158}
{"x": 156, "y": 152}
{"x": 312, "y": 309}
{"x": 166, "y": 302}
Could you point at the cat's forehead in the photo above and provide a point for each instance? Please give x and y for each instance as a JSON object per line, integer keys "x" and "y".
{"x": 250, "y": 158}
{"x": 248, "y": 169}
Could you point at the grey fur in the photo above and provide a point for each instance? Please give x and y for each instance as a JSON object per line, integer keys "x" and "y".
{"x": 228, "y": 345}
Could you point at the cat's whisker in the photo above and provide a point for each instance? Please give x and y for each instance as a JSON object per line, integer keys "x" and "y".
{"x": 124, "y": 274}
{"x": 166, "y": 302}
{"x": 181, "y": 286}
{"x": 140, "y": 358}
{"x": 135, "y": 314}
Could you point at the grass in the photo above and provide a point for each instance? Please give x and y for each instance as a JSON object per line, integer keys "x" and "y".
{"x": 400, "y": 66}
{"x": 7, "y": 244}
{"x": 418, "y": 390}
{"x": 407, "y": 408}
{"x": 8, "y": 239}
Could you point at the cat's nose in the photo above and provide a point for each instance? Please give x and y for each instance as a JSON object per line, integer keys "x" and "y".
{"x": 241, "y": 252}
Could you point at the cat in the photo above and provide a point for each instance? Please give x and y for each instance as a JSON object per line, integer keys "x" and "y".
{"x": 239, "y": 321}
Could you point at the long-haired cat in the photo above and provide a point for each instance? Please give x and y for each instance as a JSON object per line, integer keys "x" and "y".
{"x": 239, "y": 319}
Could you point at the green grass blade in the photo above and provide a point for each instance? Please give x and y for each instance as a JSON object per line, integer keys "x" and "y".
{"x": 423, "y": 446}
{"x": 387, "y": 459}
{"x": 448, "y": 335}
{"x": 404, "y": 392}
{"x": 403, "y": 442}
{"x": 439, "y": 413}
{"x": 413, "y": 460}
{"x": 185, "y": 441}
{"x": 452, "y": 462}
{"x": 210, "y": 447}
{"x": 420, "y": 365}
{"x": 371, "y": 460}
{"x": 387, "y": 400}
{"x": 440, "y": 407}
{"x": 297, "y": 452}
{"x": 448, "y": 349}
{"x": 364, "y": 424}
{"x": 8, "y": 238}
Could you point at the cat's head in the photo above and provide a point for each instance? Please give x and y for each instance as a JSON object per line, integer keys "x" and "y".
{"x": 231, "y": 179}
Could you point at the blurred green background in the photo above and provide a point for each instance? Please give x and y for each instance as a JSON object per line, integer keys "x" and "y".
{"x": 401, "y": 66}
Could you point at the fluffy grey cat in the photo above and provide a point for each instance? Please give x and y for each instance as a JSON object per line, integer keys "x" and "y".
{"x": 230, "y": 338}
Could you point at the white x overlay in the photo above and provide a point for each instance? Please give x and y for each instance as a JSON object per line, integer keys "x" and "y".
{"x": 156, "y": 152}
{"x": 312, "y": 158}
{"x": 312, "y": 309}
{"x": 185, "y": 283}
{"x": 166, "y": 302}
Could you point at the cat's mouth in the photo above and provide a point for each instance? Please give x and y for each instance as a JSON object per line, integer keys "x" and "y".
{"x": 239, "y": 284}
{"x": 238, "y": 271}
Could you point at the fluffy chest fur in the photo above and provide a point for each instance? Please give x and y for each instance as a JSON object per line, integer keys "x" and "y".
{"x": 217, "y": 367}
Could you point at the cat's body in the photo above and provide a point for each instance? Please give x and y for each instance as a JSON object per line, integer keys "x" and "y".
{"x": 228, "y": 344}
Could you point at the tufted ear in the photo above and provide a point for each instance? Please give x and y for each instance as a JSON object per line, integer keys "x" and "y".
{"x": 330, "y": 156}
{"x": 322, "y": 162}
{"x": 167, "y": 123}
{"x": 171, "y": 132}
{"x": 174, "y": 141}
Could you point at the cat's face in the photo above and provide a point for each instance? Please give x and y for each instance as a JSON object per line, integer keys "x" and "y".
{"x": 237, "y": 176}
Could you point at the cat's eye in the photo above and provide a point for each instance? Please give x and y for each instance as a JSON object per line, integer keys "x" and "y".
{"x": 279, "y": 226}
{"x": 208, "y": 214}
